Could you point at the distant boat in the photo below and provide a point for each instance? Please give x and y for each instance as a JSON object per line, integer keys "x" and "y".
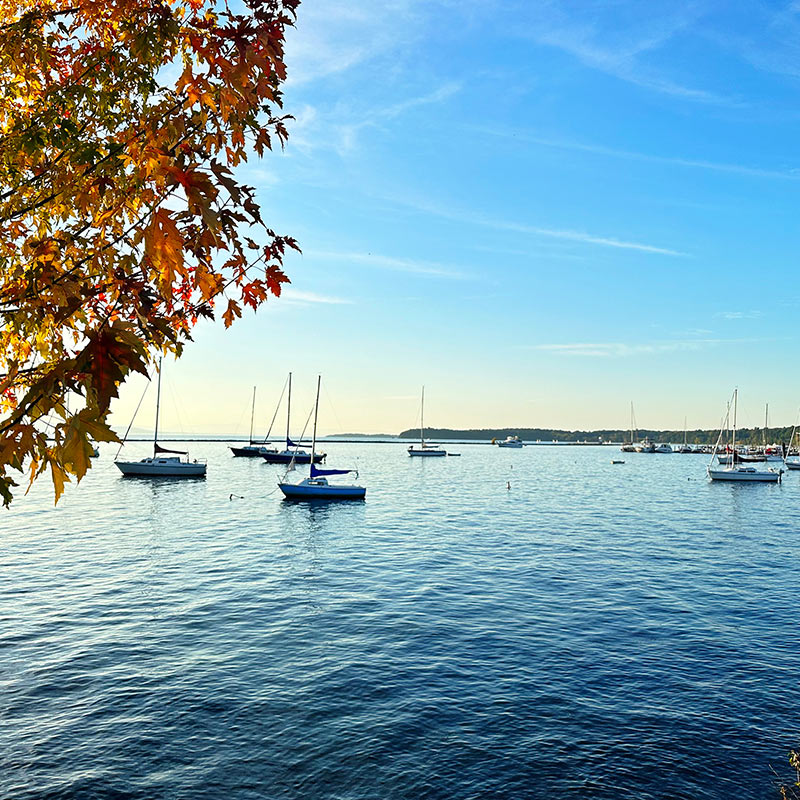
{"x": 737, "y": 471}
{"x": 617, "y": 461}
{"x": 293, "y": 451}
{"x": 316, "y": 487}
{"x": 685, "y": 447}
{"x": 427, "y": 450}
{"x": 630, "y": 447}
{"x": 663, "y": 448}
{"x": 160, "y": 466}
{"x": 791, "y": 460}
{"x": 645, "y": 446}
{"x": 253, "y": 449}
{"x": 511, "y": 441}
{"x": 770, "y": 454}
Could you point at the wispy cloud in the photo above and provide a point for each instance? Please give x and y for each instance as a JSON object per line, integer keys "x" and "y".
{"x": 585, "y": 238}
{"x": 392, "y": 264}
{"x": 739, "y": 314}
{"x": 338, "y": 127}
{"x": 583, "y": 147}
{"x": 626, "y": 350}
{"x": 563, "y": 234}
{"x": 298, "y": 297}
{"x": 618, "y": 44}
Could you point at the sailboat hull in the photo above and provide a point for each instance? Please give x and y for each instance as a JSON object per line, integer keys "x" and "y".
{"x": 427, "y": 452}
{"x": 248, "y": 451}
{"x": 316, "y": 491}
{"x": 748, "y": 474}
{"x": 162, "y": 468}
{"x": 286, "y": 456}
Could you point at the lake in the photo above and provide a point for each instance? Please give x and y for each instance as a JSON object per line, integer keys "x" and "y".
{"x": 596, "y": 630}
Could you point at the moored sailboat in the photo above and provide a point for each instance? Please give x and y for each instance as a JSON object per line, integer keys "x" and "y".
{"x": 252, "y": 449}
{"x": 316, "y": 486}
{"x": 630, "y": 446}
{"x": 737, "y": 471}
{"x": 161, "y": 465}
{"x": 424, "y": 449}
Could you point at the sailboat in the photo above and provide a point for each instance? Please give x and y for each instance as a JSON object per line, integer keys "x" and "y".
{"x": 630, "y": 447}
{"x": 316, "y": 486}
{"x": 288, "y": 455}
{"x": 791, "y": 460}
{"x": 684, "y": 448}
{"x": 737, "y": 471}
{"x": 161, "y": 466}
{"x": 425, "y": 449}
{"x": 252, "y": 449}
{"x": 769, "y": 453}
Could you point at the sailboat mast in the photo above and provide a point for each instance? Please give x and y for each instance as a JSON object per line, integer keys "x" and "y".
{"x": 288, "y": 410}
{"x": 766, "y": 424}
{"x": 314, "y": 435}
{"x": 422, "y": 420}
{"x": 252, "y": 412}
{"x": 735, "y": 398}
{"x": 158, "y": 406}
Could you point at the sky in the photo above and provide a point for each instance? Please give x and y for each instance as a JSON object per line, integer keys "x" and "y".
{"x": 542, "y": 211}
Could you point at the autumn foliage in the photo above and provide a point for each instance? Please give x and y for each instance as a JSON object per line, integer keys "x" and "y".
{"x": 122, "y": 221}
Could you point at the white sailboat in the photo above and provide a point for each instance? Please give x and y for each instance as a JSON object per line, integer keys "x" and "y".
{"x": 630, "y": 447}
{"x": 737, "y": 471}
{"x": 316, "y": 486}
{"x": 769, "y": 453}
{"x": 163, "y": 466}
{"x": 427, "y": 450}
{"x": 684, "y": 448}
{"x": 792, "y": 461}
{"x": 252, "y": 449}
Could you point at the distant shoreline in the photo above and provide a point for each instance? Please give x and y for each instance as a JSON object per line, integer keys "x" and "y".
{"x": 366, "y": 439}
{"x": 530, "y": 436}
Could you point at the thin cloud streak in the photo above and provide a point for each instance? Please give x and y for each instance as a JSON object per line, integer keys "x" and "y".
{"x": 739, "y": 314}
{"x": 314, "y": 129}
{"x": 625, "y": 350}
{"x": 394, "y": 264}
{"x": 534, "y": 230}
{"x": 299, "y": 297}
{"x": 581, "y": 147}
{"x": 618, "y": 51}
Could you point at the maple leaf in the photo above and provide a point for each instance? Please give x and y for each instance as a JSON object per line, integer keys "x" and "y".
{"x": 234, "y": 310}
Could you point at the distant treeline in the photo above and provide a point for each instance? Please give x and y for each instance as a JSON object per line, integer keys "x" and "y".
{"x": 749, "y": 436}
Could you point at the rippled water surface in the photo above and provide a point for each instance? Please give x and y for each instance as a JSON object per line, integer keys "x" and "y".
{"x": 595, "y": 631}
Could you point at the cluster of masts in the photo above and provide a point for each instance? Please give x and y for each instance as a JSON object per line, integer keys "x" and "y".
{"x": 735, "y": 460}
{"x": 168, "y": 463}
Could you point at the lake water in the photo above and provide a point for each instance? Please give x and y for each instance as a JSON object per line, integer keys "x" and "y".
{"x": 598, "y": 631}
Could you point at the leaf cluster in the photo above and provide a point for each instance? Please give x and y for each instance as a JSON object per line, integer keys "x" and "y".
{"x": 122, "y": 222}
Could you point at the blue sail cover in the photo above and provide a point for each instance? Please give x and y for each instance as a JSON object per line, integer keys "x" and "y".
{"x": 316, "y": 472}
{"x": 290, "y": 443}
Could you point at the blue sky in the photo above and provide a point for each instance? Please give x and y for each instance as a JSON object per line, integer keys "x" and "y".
{"x": 541, "y": 210}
